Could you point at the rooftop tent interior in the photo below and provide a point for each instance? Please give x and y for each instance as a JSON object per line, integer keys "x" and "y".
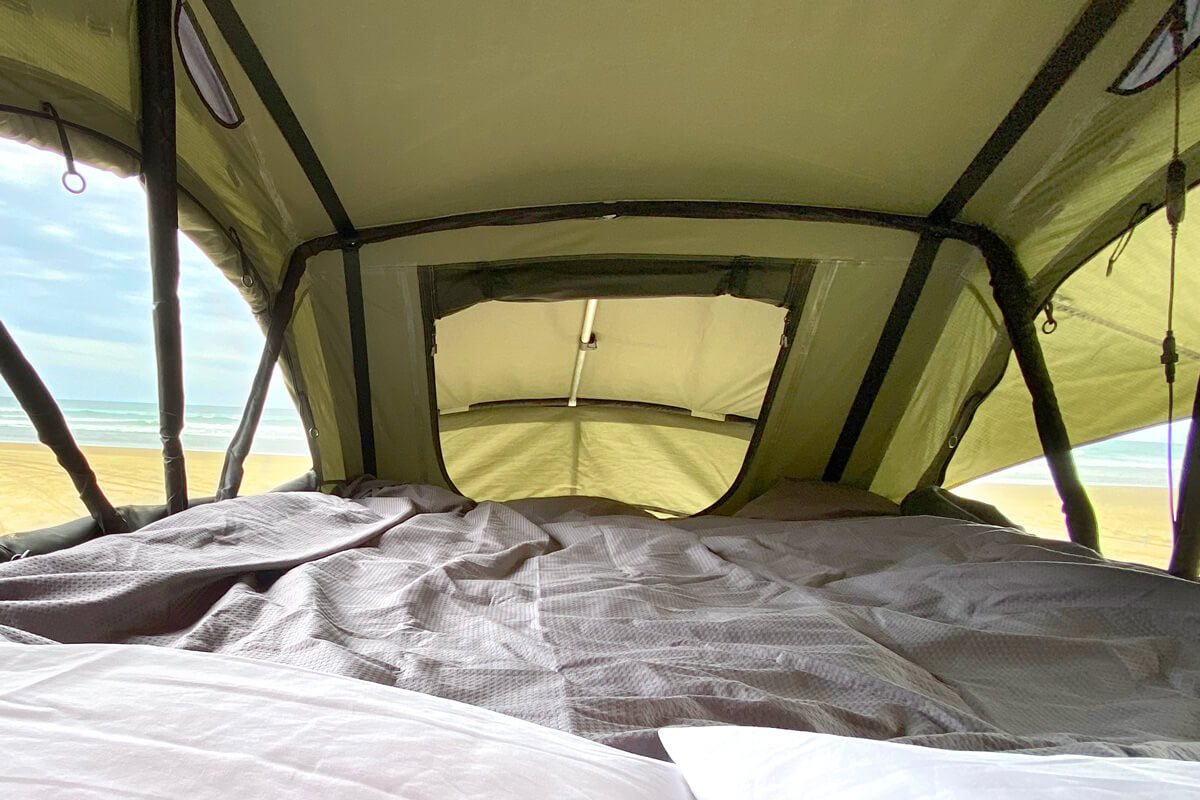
{"x": 922, "y": 177}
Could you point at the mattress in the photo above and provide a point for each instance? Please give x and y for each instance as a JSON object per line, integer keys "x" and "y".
{"x": 916, "y": 629}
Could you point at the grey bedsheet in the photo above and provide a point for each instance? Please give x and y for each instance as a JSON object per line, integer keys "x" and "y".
{"x": 919, "y": 629}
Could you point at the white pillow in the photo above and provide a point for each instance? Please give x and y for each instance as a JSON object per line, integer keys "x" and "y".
{"x": 739, "y": 763}
{"x": 104, "y": 721}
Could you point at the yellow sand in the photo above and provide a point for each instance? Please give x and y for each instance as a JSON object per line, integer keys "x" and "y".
{"x": 35, "y": 492}
{"x": 1135, "y": 522}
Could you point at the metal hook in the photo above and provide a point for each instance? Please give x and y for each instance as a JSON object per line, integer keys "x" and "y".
{"x": 247, "y": 278}
{"x": 66, "y": 148}
{"x": 1050, "y": 325}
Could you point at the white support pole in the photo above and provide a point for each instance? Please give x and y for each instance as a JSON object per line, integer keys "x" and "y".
{"x": 585, "y": 344}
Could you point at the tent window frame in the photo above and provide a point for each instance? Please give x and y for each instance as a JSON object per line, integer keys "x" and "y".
{"x": 802, "y": 272}
{"x": 210, "y": 63}
{"x": 1160, "y": 35}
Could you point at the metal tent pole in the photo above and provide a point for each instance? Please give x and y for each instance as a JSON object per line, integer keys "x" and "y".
{"x": 281, "y": 314}
{"x": 1185, "y": 556}
{"x": 1012, "y": 294}
{"x": 52, "y": 431}
{"x": 157, "y": 72}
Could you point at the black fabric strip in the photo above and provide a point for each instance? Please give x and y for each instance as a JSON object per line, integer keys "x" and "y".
{"x": 255, "y": 67}
{"x": 1095, "y": 21}
{"x": 885, "y": 351}
{"x": 157, "y": 73}
{"x": 52, "y": 431}
{"x": 358, "y": 346}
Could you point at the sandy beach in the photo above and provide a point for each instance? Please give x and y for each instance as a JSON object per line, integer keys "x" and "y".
{"x": 37, "y": 493}
{"x": 1134, "y": 521}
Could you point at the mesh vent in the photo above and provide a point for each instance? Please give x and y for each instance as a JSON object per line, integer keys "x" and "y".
{"x": 202, "y": 69}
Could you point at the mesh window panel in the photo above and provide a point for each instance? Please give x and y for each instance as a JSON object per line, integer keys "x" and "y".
{"x": 202, "y": 69}
{"x": 1157, "y": 56}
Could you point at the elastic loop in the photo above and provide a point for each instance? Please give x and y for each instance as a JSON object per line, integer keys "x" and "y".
{"x": 66, "y": 149}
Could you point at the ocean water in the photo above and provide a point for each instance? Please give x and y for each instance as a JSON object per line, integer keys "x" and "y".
{"x": 111, "y": 424}
{"x": 1132, "y": 460}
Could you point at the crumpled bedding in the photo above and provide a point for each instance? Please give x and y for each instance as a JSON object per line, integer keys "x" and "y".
{"x": 919, "y": 629}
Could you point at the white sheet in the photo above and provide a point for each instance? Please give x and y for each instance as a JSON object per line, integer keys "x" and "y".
{"x": 727, "y": 762}
{"x": 92, "y": 721}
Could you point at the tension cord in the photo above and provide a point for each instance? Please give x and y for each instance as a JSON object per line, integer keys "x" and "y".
{"x": 1175, "y": 205}
{"x": 1139, "y": 214}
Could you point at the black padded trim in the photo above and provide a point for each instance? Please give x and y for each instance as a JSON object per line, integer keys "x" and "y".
{"x": 362, "y": 369}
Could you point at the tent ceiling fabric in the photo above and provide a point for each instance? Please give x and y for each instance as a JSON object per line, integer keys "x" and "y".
{"x": 419, "y": 109}
{"x": 425, "y": 109}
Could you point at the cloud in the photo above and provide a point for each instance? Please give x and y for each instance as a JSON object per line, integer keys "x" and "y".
{"x": 49, "y": 274}
{"x": 22, "y": 165}
{"x": 120, "y": 229}
{"x": 57, "y": 351}
{"x": 138, "y": 298}
{"x": 135, "y": 324}
{"x": 134, "y": 258}
{"x": 127, "y": 221}
{"x": 57, "y": 231}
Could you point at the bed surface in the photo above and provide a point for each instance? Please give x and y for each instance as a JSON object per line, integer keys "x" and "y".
{"x": 176, "y": 724}
{"x": 920, "y": 629}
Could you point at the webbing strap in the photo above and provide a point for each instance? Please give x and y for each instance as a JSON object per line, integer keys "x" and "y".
{"x": 362, "y": 369}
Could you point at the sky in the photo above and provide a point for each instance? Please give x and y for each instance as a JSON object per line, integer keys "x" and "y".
{"x": 77, "y": 300}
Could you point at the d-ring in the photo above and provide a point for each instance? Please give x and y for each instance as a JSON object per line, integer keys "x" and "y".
{"x": 73, "y": 190}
